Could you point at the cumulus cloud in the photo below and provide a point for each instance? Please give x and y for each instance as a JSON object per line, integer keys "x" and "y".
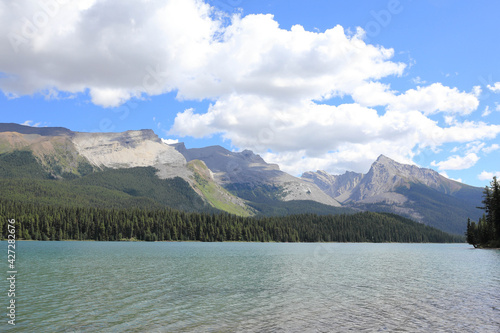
{"x": 491, "y": 148}
{"x": 271, "y": 89}
{"x": 113, "y": 49}
{"x": 474, "y": 147}
{"x": 436, "y": 98}
{"x": 495, "y": 87}
{"x": 169, "y": 141}
{"x": 457, "y": 162}
{"x": 485, "y": 175}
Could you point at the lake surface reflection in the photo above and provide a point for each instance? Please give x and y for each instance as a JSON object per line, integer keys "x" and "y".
{"x": 254, "y": 287}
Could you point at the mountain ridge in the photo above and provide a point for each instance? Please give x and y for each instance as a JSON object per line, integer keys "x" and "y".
{"x": 393, "y": 187}
{"x": 250, "y": 169}
{"x": 243, "y": 182}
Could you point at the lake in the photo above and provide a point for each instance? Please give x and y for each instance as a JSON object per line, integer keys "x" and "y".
{"x": 253, "y": 287}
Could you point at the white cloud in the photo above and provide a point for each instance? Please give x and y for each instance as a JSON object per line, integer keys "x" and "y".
{"x": 474, "y": 147}
{"x": 450, "y": 120}
{"x": 114, "y": 49}
{"x": 444, "y": 174}
{"x": 269, "y": 86}
{"x": 488, "y": 175}
{"x": 436, "y": 98}
{"x": 476, "y": 91}
{"x": 314, "y": 131}
{"x": 31, "y": 123}
{"x": 495, "y": 87}
{"x": 491, "y": 148}
{"x": 109, "y": 97}
{"x": 486, "y": 111}
{"x": 169, "y": 141}
{"x": 373, "y": 94}
{"x": 457, "y": 162}
{"x": 119, "y": 50}
{"x": 418, "y": 80}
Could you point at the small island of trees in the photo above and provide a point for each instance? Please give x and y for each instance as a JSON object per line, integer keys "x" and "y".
{"x": 486, "y": 232}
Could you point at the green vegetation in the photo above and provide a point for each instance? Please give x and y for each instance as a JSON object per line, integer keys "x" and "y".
{"x": 23, "y": 179}
{"x": 143, "y": 182}
{"x": 216, "y": 196}
{"x": 486, "y": 232}
{"x": 126, "y": 204}
{"x": 21, "y": 164}
{"x": 265, "y": 199}
{"x": 42, "y": 222}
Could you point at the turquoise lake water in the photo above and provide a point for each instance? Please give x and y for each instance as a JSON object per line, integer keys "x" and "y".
{"x": 253, "y": 287}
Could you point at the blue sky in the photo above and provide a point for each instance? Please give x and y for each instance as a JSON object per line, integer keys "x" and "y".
{"x": 311, "y": 85}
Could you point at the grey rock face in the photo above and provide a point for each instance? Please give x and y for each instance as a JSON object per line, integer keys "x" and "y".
{"x": 386, "y": 175}
{"x": 248, "y": 168}
{"x": 131, "y": 149}
{"x": 336, "y": 186}
{"x": 379, "y": 184}
{"x": 230, "y": 167}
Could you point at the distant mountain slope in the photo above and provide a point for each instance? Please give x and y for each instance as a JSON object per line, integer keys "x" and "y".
{"x": 216, "y": 195}
{"x": 58, "y": 153}
{"x": 245, "y": 171}
{"x": 138, "y": 168}
{"x": 24, "y": 179}
{"x": 386, "y": 175}
{"x": 336, "y": 186}
{"x": 43, "y": 131}
{"x": 421, "y": 194}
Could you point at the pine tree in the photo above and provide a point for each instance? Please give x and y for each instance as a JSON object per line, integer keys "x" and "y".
{"x": 495, "y": 206}
{"x": 487, "y": 231}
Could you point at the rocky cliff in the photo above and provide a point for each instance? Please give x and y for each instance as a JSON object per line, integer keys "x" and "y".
{"x": 131, "y": 149}
{"x": 224, "y": 178}
{"x": 337, "y": 186}
{"x": 386, "y": 175}
{"x": 419, "y": 193}
{"x": 230, "y": 168}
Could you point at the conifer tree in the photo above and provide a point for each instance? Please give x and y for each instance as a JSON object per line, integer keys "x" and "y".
{"x": 487, "y": 231}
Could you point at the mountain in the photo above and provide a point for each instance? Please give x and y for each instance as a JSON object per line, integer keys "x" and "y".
{"x": 103, "y": 162}
{"x": 250, "y": 177}
{"x": 336, "y": 186}
{"x": 61, "y": 154}
{"x": 421, "y": 194}
{"x": 58, "y": 166}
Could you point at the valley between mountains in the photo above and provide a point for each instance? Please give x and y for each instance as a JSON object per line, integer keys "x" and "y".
{"x": 54, "y": 165}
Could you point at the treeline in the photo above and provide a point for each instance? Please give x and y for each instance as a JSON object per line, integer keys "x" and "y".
{"x": 486, "y": 232}
{"x": 39, "y": 222}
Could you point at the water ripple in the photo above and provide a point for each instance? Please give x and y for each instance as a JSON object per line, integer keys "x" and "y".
{"x": 240, "y": 287}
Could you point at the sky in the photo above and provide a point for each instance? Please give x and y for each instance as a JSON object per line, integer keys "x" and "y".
{"x": 317, "y": 85}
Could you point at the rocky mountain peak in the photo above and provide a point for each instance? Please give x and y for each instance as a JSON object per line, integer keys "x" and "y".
{"x": 252, "y": 170}
{"x": 130, "y": 149}
{"x": 382, "y": 158}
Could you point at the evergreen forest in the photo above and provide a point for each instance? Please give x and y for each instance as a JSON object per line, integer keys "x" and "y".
{"x": 43, "y": 222}
{"x": 486, "y": 232}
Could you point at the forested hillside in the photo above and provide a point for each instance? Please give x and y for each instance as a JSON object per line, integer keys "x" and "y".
{"x": 41, "y": 222}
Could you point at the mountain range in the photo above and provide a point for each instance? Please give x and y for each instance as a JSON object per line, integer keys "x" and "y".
{"x": 55, "y": 165}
